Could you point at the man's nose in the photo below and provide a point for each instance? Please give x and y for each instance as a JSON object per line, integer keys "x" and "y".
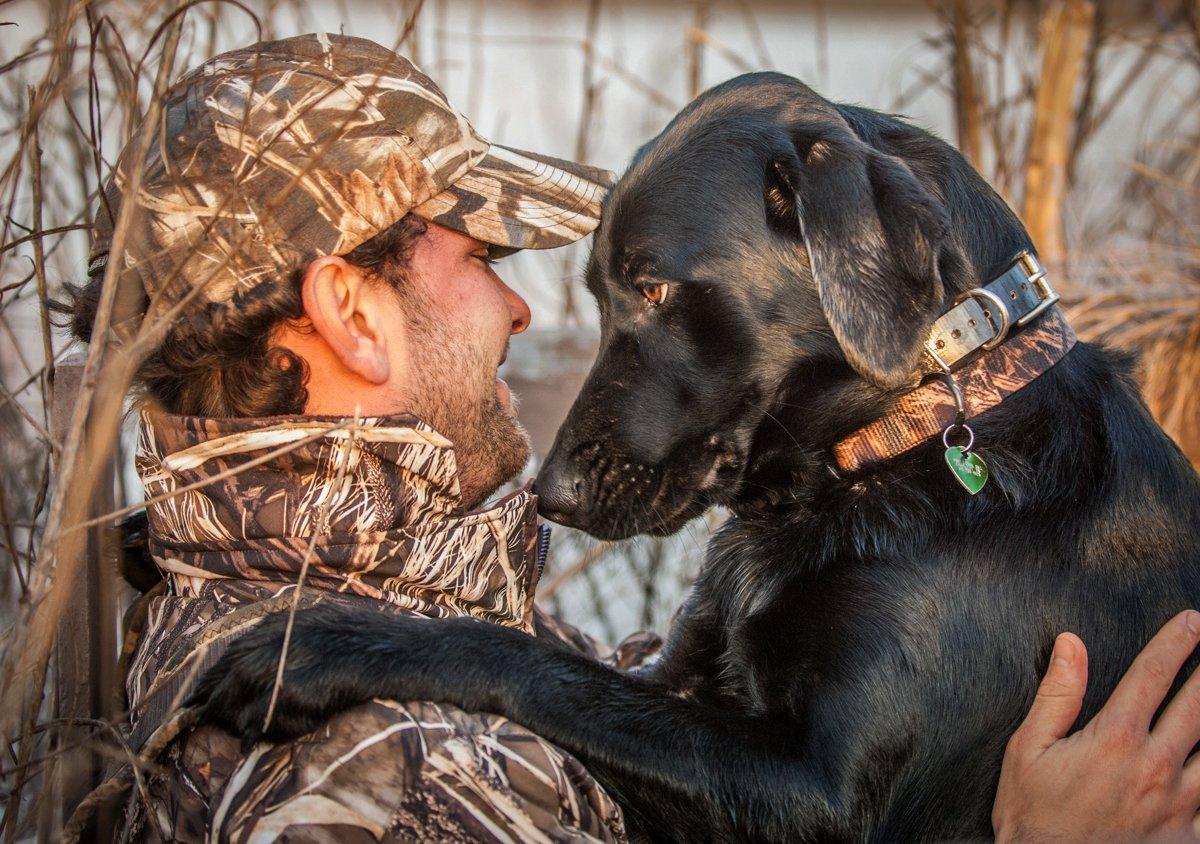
{"x": 519, "y": 308}
{"x": 559, "y": 489}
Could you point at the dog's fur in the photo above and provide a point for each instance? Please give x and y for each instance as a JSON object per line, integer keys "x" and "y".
{"x": 857, "y": 649}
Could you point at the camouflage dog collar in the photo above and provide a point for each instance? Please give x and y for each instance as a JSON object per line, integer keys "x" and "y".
{"x": 927, "y": 411}
{"x": 269, "y": 156}
{"x": 974, "y": 332}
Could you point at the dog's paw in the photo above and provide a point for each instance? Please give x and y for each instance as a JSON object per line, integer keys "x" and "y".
{"x": 245, "y": 693}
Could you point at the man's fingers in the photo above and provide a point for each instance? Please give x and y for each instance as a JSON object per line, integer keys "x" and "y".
{"x": 1060, "y": 695}
{"x": 1178, "y": 730}
{"x": 1142, "y": 689}
{"x": 1190, "y": 781}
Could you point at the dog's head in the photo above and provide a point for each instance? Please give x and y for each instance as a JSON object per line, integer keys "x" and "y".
{"x": 758, "y": 235}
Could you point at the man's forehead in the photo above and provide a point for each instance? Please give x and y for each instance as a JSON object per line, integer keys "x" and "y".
{"x": 453, "y": 237}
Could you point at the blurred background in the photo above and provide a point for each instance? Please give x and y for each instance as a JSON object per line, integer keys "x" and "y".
{"x": 1082, "y": 114}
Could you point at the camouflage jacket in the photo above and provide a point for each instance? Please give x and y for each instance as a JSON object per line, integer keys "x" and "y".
{"x": 366, "y": 511}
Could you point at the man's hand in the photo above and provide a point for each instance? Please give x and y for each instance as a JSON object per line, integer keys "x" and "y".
{"x": 1115, "y": 779}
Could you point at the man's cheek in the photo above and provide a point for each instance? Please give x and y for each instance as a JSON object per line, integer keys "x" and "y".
{"x": 495, "y": 315}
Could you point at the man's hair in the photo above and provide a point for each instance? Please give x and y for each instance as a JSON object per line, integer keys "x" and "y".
{"x": 228, "y": 367}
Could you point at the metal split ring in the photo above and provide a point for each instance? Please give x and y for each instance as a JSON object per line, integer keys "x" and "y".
{"x": 965, "y": 427}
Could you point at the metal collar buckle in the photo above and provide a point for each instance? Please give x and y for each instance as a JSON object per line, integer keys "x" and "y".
{"x": 936, "y": 357}
{"x": 997, "y": 314}
{"x": 995, "y": 310}
{"x": 1037, "y": 277}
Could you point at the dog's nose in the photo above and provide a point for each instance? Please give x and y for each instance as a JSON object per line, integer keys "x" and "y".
{"x": 559, "y": 491}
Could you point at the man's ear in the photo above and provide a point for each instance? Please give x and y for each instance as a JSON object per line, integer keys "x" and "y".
{"x": 337, "y": 301}
{"x": 873, "y": 236}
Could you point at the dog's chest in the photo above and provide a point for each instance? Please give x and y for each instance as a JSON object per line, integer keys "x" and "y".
{"x": 791, "y": 629}
{"x": 783, "y": 625}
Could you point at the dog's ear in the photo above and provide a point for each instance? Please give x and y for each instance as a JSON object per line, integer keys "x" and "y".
{"x": 873, "y": 236}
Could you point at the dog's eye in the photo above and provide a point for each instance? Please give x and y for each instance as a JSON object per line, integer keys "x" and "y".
{"x": 655, "y": 292}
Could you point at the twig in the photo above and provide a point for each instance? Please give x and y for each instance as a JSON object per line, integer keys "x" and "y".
{"x": 569, "y": 314}
{"x": 39, "y": 263}
{"x": 39, "y": 234}
{"x": 593, "y": 554}
{"x": 110, "y": 517}
{"x": 321, "y": 528}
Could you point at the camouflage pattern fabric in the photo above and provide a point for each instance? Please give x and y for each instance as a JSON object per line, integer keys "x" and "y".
{"x": 268, "y": 156}
{"x": 379, "y": 534}
{"x": 234, "y": 506}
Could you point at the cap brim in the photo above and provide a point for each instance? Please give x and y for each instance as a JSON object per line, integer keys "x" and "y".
{"x": 520, "y": 200}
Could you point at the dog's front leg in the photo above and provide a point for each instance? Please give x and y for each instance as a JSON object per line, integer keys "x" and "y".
{"x": 690, "y": 771}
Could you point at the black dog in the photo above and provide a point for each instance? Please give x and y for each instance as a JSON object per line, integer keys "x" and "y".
{"x": 858, "y": 648}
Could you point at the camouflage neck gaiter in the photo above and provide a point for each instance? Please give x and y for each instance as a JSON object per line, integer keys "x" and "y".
{"x": 364, "y": 507}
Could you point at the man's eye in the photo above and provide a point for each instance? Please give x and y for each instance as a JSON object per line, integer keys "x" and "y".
{"x": 656, "y": 292}
{"x": 486, "y": 257}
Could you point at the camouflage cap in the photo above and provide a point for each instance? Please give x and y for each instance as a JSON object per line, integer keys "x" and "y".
{"x": 269, "y": 156}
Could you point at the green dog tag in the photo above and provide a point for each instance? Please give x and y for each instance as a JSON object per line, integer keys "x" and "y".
{"x": 968, "y": 468}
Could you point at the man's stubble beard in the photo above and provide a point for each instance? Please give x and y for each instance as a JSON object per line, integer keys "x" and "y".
{"x": 453, "y": 389}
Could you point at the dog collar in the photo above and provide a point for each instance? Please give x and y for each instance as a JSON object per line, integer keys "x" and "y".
{"x": 967, "y": 343}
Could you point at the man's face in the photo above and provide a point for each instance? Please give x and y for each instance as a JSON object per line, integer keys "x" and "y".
{"x": 459, "y": 317}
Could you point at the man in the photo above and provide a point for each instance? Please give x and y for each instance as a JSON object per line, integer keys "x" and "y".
{"x": 318, "y": 226}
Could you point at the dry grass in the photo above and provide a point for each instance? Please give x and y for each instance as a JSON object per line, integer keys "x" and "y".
{"x": 74, "y": 91}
